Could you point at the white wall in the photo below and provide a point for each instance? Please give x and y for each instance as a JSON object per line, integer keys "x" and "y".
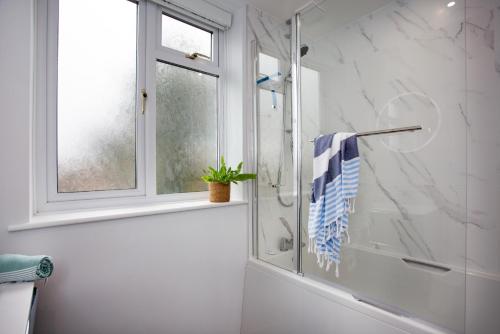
{"x": 170, "y": 273}
{"x": 175, "y": 273}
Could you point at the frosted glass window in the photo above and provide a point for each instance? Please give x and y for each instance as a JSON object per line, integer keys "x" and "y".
{"x": 186, "y": 128}
{"x": 96, "y": 95}
{"x": 185, "y": 37}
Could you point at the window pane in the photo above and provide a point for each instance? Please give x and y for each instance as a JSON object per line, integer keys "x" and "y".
{"x": 184, "y": 37}
{"x": 96, "y": 95}
{"x": 186, "y": 128}
{"x": 268, "y": 65}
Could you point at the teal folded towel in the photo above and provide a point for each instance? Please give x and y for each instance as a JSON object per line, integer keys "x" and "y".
{"x": 23, "y": 268}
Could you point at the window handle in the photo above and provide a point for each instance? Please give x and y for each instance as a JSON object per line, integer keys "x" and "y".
{"x": 144, "y": 96}
{"x": 195, "y": 55}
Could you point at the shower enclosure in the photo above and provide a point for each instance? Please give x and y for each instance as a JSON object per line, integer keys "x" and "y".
{"x": 424, "y": 240}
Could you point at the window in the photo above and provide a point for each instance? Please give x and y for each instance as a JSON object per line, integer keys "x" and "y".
{"x": 127, "y": 103}
{"x": 186, "y": 116}
{"x": 268, "y": 65}
{"x": 96, "y": 99}
{"x": 184, "y": 37}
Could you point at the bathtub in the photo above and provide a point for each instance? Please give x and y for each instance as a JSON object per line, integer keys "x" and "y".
{"x": 284, "y": 260}
{"x": 418, "y": 297}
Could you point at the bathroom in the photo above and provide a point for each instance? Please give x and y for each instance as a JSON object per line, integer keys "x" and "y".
{"x": 103, "y": 173}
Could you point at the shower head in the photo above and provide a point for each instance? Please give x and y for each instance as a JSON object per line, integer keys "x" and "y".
{"x": 303, "y": 50}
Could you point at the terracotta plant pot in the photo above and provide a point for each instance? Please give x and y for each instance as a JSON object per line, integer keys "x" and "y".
{"x": 219, "y": 192}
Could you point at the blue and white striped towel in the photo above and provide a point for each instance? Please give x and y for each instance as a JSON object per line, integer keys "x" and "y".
{"x": 335, "y": 186}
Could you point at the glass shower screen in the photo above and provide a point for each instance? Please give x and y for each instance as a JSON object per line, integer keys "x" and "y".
{"x": 275, "y": 219}
{"x": 392, "y": 64}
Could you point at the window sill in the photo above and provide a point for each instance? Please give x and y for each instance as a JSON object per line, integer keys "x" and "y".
{"x": 70, "y": 218}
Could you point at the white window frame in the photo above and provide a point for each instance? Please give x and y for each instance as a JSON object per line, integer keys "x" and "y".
{"x": 149, "y": 50}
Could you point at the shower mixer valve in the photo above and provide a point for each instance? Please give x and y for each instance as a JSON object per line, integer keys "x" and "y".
{"x": 286, "y": 244}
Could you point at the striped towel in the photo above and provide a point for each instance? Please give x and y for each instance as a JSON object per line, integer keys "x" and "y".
{"x": 23, "y": 268}
{"x": 335, "y": 186}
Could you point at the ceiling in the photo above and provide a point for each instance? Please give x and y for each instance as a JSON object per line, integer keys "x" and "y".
{"x": 333, "y": 14}
{"x": 339, "y": 12}
{"x": 281, "y": 9}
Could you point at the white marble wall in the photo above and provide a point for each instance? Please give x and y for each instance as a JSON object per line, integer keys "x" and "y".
{"x": 483, "y": 178}
{"x": 431, "y": 195}
{"x": 483, "y": 103}
{"x": 403, "y": 65}
{"x": 410, "y": 203}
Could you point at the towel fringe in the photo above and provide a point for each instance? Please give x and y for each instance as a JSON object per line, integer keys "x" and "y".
{"x": 351, "y": 205}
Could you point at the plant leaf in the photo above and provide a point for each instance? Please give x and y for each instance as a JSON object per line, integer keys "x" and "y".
{"x": 226, "y": 174}
{"x": 244, "y": 177}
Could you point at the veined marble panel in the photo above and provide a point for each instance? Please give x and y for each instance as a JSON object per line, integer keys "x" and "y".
{"x": 432, "y": 195}
{"x": 483, "y": 120}
{"x": 483, "y": 174}
{"x": 402, "y": 65}
{"x": 399, "y": 66}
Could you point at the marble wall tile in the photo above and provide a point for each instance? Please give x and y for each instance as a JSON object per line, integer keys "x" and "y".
{"x": 482, "y": 30}
{"x": 402, "y": 65}
{"x": 483, "y": 117}
{"x": 432, "y": 195}
{"x": 412, "y": 200}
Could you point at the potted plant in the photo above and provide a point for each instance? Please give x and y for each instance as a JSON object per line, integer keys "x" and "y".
{"x": 219, "y": 181}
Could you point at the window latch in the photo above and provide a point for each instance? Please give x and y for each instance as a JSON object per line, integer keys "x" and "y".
{"x": 144, "y": 96}
{"x": 195, "y": 55}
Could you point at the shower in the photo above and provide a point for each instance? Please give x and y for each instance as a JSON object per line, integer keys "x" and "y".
{"x": 421, "y": 238}
{"x": 286, "y": 83}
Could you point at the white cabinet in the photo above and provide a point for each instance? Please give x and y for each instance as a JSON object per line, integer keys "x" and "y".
{"x": 16, "y": 300}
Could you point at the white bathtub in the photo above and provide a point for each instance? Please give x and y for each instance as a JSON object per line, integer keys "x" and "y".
{"x": 284, "y": 260}
{"x": 430, "y": 298}
{"x": 278, "y": 301}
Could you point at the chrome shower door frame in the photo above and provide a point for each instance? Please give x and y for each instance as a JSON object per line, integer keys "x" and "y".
{"x": 297, "y": 138}
{"x": 255, "y": 122}
{"x": 297, "y": 145}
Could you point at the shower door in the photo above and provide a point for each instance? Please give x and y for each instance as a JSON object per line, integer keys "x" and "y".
{"x": 389, "y": 64}
{"x": 275, "y": 221}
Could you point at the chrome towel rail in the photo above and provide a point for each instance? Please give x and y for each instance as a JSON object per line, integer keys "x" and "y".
{"x": 386, "y": 131}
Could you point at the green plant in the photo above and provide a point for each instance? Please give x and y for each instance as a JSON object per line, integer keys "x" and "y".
{"x": 226, "y": 175}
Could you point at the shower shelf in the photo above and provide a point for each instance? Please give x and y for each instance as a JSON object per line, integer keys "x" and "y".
{"x": 426, "y": 265}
